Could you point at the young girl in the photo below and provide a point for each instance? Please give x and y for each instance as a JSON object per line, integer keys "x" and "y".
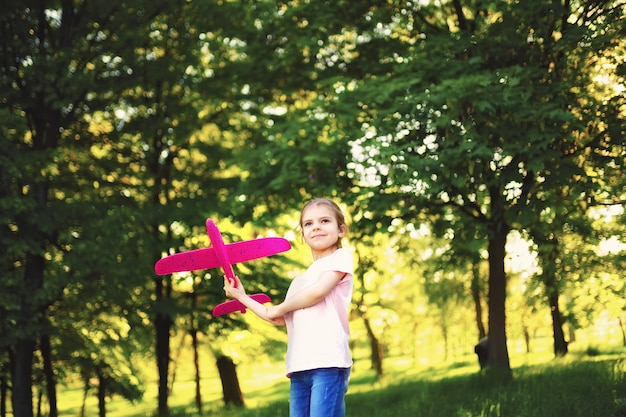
{"x": 315, "y": 311}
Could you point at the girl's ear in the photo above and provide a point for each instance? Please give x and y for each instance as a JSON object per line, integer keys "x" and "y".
{"x": 342, "y": 230}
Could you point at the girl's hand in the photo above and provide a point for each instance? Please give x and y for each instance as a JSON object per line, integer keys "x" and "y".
{"x": 233, "y": 288}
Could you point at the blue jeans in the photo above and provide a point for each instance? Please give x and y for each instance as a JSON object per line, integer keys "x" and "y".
{"x": 319, "y": 392}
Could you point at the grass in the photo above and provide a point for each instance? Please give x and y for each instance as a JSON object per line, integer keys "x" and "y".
{"x": 574, "y": 389}
{"x": 583, "y": 384}
{"x": 581, "y": 389}
{"x": 577, "y": 386}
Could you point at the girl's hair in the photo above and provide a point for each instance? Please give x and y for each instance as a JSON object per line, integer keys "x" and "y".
{"x": 339, "y": 217}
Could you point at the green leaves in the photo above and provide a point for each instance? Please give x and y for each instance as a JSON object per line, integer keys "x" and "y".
{"x": 125, "y": 125}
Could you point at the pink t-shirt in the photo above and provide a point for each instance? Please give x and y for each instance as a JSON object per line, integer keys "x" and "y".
{"x": 318, "y": 336}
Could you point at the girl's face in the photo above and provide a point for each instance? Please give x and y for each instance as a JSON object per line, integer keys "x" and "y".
{"x": 321, "y": 230}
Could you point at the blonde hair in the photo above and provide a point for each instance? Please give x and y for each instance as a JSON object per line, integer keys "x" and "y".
{"x": 337, "y": 213}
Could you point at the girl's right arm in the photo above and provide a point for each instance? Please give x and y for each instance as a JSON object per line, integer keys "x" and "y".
{"x": 308, "y": 296}
{"x": 234, "y": 289}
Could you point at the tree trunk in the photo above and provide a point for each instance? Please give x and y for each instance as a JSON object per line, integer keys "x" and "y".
{"x": 376, "y": 349}
{"x": 102, "y": 392}
{"x": 174, "y": 363}
{"x": 414, "y": 342}
{"x": 549, "y": 254}
{"x": 446, "y": 342}
{"x": 3, "y": 391}
{"x": 230, "y": 382}
{"x": 22, "y": 375}
{"x": 196, "y": 364}
{"x": 163, "y": 324}
{"x": 498, "y": 351}
{"x": 478, "y": 308}
{"x": 526, "y": 334}
{"x": 39, "y": 403}
{"x": 83, "y": 405}
{"x": 28, "y": 322}
{"x": 571, "y": 333}
{"x": 560, "y": 345}
{"x": 46, "y": 353}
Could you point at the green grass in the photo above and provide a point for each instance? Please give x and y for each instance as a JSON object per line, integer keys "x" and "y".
{"x": 583, "y": 384}
{"x": 579, "y": 389}
{"x": 577, "y": 386}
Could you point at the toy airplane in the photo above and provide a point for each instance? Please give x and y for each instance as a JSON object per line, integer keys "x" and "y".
{"x": 224, "y": 256}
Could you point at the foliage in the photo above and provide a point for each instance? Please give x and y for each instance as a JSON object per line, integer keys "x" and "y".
{"x": 125, "y": 124}
{"x": 479, "y": 118}
{"x": 107, "y": 166}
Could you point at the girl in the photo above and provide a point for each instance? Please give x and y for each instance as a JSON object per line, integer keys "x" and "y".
{"x": 315, "y": 312}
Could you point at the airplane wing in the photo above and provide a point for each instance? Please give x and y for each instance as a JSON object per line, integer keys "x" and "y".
{"x": 207, "y": 257}
{"x": 256, "y": 248}
{"x": 234, "y": 305}
{"x": 224, "y": 256}
{"x": 187, "y": 261}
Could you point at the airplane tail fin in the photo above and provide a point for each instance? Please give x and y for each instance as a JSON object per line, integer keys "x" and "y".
{"x": 234, "y": 305}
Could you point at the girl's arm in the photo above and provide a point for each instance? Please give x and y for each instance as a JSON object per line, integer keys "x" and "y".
{"x": 235, "y": 290}
{"x": 307, "y": 296}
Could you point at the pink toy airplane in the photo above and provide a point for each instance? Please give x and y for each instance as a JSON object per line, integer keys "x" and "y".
{"x": 224, "y": 256}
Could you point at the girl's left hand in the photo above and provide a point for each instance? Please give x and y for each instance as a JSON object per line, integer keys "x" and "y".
{"x": 233, "y": 288}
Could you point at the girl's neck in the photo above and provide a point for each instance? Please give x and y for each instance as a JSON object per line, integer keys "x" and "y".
{"x": 326, "y": 252}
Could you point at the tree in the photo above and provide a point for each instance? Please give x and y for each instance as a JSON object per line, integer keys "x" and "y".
{"x": 475, "y": 113}
{"x": 99, "y": 95}
{"x": 124, "y": 125}
{"x": 55, "y": 69}
{"x": 441, "y": 100}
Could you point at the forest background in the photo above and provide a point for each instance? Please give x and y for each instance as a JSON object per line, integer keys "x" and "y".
{"x": 477, "y": 146}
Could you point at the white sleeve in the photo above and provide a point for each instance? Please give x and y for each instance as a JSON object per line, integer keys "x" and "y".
{"x": 341, "y": 261}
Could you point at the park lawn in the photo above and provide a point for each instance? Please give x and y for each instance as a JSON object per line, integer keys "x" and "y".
{"x": 572, "y": 387}
{"x": 583, "y": 384}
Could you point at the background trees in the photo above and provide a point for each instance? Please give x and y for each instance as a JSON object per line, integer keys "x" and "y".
{"x": 59, "y": 67}
{"x": 440, "y": 126}
{"x": 482, "y": 113}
